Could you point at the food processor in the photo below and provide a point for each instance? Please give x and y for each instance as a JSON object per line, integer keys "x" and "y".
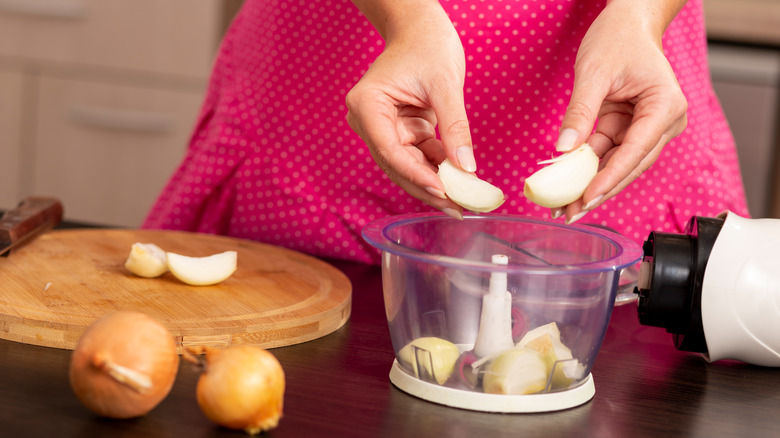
{"x": 498, "y": 313}
{"x": 716, "y": 287}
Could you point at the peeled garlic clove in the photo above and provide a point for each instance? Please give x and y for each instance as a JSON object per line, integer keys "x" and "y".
{"x": 146, "y": 260}
{"x": 436, "y": 358}
{"x": 517, "y": 371}
{"x": 468, "y": 191}
{"x": 555, "y": 355}
{"x": 546, "y": 339}
{"x": 203, "y": 271}
{"x": 564, "y": 180}
{"x": 546, "y": 329}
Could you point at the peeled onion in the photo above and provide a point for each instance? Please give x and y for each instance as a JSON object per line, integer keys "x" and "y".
{"x": 242, "y": 387}
{"x": 123, "y": 365}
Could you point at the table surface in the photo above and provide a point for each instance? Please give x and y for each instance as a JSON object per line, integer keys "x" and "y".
{"x": 338, "y": 386}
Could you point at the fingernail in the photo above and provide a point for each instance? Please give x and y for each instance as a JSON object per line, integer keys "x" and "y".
{"x": 451, "y": 212}
{"x": 576, "y": 217}
{"x": 436, "y": 192}
{"x": 592, "y": 203}
{"x": 566, "y": 140}
{"x": 556, "y": 213}
{"x": 466, "y": 158}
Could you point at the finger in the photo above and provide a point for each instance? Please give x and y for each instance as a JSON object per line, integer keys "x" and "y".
{"x": 613, "y": 121}
{"x": 415, "y": 125}
{"x": 581, "y": 114}
{"x": 622, "y": 167}
{"x": 641, "y": 146}
{"x": 417, "y": 130}
{"x": 375, "y": 120}
{"x": 450, "y": 109}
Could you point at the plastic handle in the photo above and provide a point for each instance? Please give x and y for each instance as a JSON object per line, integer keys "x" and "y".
{"x": 33, "y": 216}
{"x": 45, "y": 8}
{"x": 126, "y": 120}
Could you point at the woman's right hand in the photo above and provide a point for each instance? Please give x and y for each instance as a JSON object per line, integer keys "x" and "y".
{"x": 413, "y": 86}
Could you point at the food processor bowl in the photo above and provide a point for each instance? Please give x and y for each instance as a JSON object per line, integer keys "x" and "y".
{"x": 497, "y": 313}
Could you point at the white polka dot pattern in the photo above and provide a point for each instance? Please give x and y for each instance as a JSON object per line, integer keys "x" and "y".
{"x": 273, "y": 159}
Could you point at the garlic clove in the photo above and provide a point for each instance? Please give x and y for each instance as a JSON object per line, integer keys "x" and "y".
{"x": 436, "y": 358}
{"x": 564, "y": 180}
{"x": 203, "y": 271}
{"x": 517, "y": 371}
{"x": 546, "y": 329}
{"x": 468, "y": 191}
{"x": 555, "y": 355}
{"x": 146, "y": 260}
{"x": 546, "y": 340}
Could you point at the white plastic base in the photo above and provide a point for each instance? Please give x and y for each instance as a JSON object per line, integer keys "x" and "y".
{"x": 478, "y": 401}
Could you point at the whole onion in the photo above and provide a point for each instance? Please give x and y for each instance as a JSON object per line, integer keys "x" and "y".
{"x": 124, "y": 365}
{"x": 241, "y": 387}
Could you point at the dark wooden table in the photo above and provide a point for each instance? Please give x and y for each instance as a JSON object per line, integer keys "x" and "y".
{"x": 338, "y": 386}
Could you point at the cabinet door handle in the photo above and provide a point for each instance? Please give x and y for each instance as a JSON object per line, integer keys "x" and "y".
{"x": 72, "y": 9}
{"x": 125, "y": 120}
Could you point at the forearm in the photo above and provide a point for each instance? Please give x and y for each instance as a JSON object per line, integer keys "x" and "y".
{"x": 390, "y": 17}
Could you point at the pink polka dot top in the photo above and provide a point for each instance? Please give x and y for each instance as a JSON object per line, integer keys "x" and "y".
{"x": 272, "y": 159}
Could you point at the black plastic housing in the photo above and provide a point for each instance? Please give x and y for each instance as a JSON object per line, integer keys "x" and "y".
{"x": 670, "y": 281}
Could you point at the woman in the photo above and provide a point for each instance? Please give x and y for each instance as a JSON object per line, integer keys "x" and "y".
{"x": 273, "y": 159}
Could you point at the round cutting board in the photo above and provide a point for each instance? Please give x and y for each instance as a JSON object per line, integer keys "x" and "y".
{"x": 58, "y": 285}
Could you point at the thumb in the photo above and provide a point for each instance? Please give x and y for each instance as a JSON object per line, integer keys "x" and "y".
{"x": 581, "y": 115}
{"x": 454, "y": 130}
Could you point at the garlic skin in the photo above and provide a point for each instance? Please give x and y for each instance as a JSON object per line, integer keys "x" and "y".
{"x": 146, "y": 260}
{"x": 564, "y": 180}
{"x": 468, "y": 191}
{"x": 437, "y": 358}
{"x": 203, "y": 271}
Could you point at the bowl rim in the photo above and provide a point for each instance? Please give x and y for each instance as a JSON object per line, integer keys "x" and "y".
{"x": 628, "y": 251}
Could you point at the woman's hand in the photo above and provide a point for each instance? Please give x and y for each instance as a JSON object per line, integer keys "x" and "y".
{"x": 415, "y": 84}
{"x": 623, "y": 80}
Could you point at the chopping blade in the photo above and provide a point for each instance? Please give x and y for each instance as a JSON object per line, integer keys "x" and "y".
{"x": 33, "y": 216}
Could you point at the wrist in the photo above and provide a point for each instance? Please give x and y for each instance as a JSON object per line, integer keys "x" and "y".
{"x": 652, "y": 16}
{"x": 394, "y": 18}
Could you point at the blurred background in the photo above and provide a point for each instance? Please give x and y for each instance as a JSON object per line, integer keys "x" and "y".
{"x": 98, "y": 97}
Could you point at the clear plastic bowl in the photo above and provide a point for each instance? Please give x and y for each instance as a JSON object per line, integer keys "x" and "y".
{"x": 437, "y": 274}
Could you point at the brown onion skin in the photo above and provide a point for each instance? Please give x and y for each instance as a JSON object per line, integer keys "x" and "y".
{"x": 132, "y": 340}
{"x": 242, "y": 388}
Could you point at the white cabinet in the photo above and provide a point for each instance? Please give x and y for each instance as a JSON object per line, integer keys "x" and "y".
{"x": 99, "y": 98}
{"x": 107, "y": 149}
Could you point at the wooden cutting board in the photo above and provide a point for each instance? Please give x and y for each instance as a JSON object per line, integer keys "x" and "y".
{"x": 55, "y": 287}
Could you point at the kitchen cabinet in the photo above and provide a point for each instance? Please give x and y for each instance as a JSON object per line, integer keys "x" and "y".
{"x": 747, "y": 83}
{"x": 11, "y": 84}
{"x": 108, "y": 148}
{"x": 99, "y": 97}
{"x": 745, "y": 63}
{"x": 746, "y": 21}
